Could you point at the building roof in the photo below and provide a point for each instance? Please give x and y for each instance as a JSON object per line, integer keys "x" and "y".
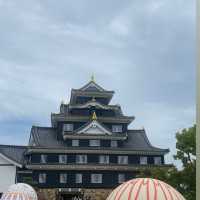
{"x": 92, "y": 86}
{"x": 91, "y": 89}
{"x": 13, "y": 153}
{"x": 66, "y": 108}
{"x": 45, "y": 137}
{"x": 56, "y": 117}
{"x": 136, "y": 141}
{"x": 94, "y": 103}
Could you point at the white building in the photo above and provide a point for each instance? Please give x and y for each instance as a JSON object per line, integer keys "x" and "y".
{"x": 10, "y": 159}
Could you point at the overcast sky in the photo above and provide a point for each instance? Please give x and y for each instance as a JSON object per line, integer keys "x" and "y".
{"x": 142, "y": 49}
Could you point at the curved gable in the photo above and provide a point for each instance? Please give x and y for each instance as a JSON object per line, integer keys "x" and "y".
{"x": 94, "y": 128}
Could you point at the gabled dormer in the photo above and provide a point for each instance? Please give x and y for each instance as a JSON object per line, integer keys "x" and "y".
{"x": 94, "y": 128}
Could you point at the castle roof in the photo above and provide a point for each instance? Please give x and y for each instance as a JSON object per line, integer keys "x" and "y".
{"x": 13, "y": 153}
{"x": 56, "y": 117}
{"x": 137, "y": 141}
{"x": 91, "y": 89}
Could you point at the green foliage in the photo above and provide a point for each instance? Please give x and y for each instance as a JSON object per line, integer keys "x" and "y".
{"x": 183, "y": 180}
{"x": 186, "y": 152}
{"x": 186, "y": 146}
{"x": 29, "y": 180}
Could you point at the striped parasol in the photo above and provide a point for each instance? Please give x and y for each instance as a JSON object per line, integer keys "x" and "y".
{"x": 20, "y": 191}
{"x": 145, "y": 189}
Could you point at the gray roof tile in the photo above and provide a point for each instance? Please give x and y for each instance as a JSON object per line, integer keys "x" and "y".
{"x": 45, "y": 137}
{"x": 137, "y": 140}
{"x": 13, "y": 152}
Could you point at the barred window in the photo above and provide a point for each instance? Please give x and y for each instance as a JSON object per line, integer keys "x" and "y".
{"x": 63, "y": 178}
{"x": 116, "y": 128}
{"x": 63, "y": 159}
{"x": 157, "y": 160}
{"x": 42, "y": 178}
{"x": 43, "y": 158}
{"x": 123, "y": 160}
{"x": 143, "y": 160}
{"x": 79, "y": 178}
{"x": 121, "y": 178}
{"x": 113, "y": 143}
{"x": 94, "y": 143}
{"x": 75, "y": 143}
{"x": 96, "y": 178}
{"x": 68, "y": 127}
{"x": 104, "y": 159}
{"x": 81, "y": 159}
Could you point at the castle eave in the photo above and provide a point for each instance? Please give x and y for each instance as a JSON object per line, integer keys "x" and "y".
{"x": 95, "y": 167}
{"x": 97, "y": 150}
{"x": 64, "y": 118}
{"x": 94, "y": 136}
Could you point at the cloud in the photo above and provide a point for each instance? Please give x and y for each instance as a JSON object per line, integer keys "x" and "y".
{"x": 145, "y": 51}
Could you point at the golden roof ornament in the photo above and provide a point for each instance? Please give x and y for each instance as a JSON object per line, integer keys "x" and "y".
{"x": 92, "y": 78}
{"x": 94, "y": 116}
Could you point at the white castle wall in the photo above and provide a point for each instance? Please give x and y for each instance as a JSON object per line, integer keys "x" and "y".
{"x": 7, "y": 174}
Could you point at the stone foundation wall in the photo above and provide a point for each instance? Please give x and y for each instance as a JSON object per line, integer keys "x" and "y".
{"x": 88, "y": 194}
{"x": 96, "y": 194}
{"x": 47, "y": 194}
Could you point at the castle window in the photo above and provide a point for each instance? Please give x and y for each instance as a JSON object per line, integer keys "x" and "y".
{"x": 42, "y": 178}
{"x": 81, "y": 159}
{"x": 68, "y": 127}
{"x": 75, "y": 143}
{"x": 30, "y": 159}
{"x": 94, "y": 143}
{"x": 113, "y": 143}
{"x": 79, "y": 178}
{"x": 96, "y": 178}
{"x": 157, "y": 160}
{"x": 43, "y": 158}
{"x": 103, "y": 159}
{"x": 143, "y": 160}
{"x": 63, "y": 178}
{"x": 63, "y": 159}
{"x": 116, "y": 128}
{"x": 121, "y": 178}
{"x": 123, "y": 160}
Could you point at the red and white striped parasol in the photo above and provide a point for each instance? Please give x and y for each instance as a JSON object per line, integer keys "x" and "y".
{"x": 145, "y": 189}
{"x": 20, "y": 191}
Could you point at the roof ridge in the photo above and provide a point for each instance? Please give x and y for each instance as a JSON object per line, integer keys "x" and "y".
{"x": 43, "y": 127}
{"x": 10, "y": 145}
{"x": 139, "y": 130}
{"x": 83, "y": 88}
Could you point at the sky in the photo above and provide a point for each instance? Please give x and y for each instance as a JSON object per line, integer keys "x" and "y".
{"x": 143, "y": 50}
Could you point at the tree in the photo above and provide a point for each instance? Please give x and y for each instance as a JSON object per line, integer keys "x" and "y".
{"x": 183, "y": 180}
{"x": 186, "y": 152}
{"x": 186, "y": 146}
